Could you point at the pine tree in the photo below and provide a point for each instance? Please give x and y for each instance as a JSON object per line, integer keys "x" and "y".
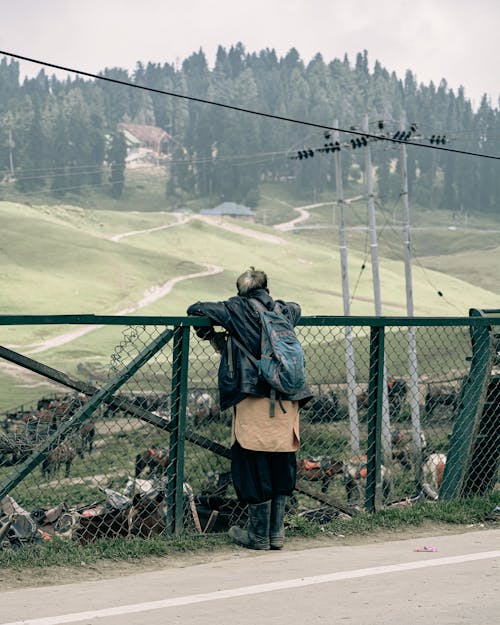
{"x": 116, "y": 159}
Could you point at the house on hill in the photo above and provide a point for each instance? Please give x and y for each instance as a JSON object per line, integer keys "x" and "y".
{"x": 230, "y": 209}
{"x": 146, "y": 143}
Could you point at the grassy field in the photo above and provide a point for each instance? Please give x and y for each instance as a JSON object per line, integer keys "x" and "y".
{"x": 50, "y": 265}
{"x": 65, "y": 258}
{"x": 62, "y": 259}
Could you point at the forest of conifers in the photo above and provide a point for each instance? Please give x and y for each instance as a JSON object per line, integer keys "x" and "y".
{"x": 61, "y": 134}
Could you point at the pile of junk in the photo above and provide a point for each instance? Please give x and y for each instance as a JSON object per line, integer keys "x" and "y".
{"x": 140, "y": 510}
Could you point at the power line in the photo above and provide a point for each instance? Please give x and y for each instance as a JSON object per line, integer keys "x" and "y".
{"x": 104, "y": 172}
{"x": 46, "y": 191}
{"x": 390, "y": 245}
{"x": 76, "y": 170}
{"x": 60, "y": 174}
{"x": 235, "y": 108}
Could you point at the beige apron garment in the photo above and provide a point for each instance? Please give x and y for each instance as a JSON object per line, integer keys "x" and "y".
{"x": 254, "y": 429}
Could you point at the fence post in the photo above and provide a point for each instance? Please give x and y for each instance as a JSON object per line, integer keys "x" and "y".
{"x": 468, "y": 414}
{"x": 175, "y": 482}
{"x": 375, "y": 394}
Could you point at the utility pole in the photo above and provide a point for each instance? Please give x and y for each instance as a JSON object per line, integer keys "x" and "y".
{"x": 412, "y": 342}
{"x": 373, "y": 225}
{"x": 386, "y": 424}
{"x": 349, "y": 352}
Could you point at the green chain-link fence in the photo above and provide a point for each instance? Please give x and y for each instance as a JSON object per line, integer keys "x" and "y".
{"x": 133, "y": 443}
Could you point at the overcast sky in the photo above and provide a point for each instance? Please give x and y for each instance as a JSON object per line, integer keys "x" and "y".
{"x": 452, "y": 39}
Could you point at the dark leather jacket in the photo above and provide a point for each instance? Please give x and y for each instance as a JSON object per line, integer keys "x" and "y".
{"x": 238, "y": 375}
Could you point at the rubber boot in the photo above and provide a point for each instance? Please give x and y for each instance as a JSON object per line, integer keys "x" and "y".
{"x": 256, "y": 536}
{"x": 277, "y": 524}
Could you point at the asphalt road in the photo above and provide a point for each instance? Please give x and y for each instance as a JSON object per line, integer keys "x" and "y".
{"x": 369, "y": 584}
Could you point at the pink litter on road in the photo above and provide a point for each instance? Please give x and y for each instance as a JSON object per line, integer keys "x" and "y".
{"x": 426, "y": 548}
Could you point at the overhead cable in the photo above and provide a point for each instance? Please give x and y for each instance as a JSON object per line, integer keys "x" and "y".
{"x": 234, "y": 108}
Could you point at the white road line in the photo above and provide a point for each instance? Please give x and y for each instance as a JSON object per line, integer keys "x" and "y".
{"x": 286, "y": 584}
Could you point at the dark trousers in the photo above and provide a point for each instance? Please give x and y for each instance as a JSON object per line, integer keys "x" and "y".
{"x": 258, "y": 476}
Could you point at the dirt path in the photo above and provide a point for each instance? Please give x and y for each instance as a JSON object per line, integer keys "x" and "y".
{"x": 304, "y": 213}
{"x": 246, "y": 232}
{"x": 212, "y": 221}
{"x": 151, "y": 295}
{"x": 180, "y": 220}
{"x": 25, "y": 378}
{"x": 157, "y": 292}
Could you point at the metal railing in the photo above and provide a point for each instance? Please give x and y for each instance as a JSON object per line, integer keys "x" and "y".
{"x": 127, "y": 437}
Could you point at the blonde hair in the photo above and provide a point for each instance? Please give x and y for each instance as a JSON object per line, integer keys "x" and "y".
{"x": 251, "y": 279}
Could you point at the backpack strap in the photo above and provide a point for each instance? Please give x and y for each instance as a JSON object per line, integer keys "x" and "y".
{"x": 260, "y": 307}
{"x": 251, "y": 357}
{"x": 273, "y": 395}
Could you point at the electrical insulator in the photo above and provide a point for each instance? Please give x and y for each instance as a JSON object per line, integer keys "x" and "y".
{"x": 381, "y": 125}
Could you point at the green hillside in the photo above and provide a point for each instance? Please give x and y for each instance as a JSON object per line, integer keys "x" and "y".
{"x": 63, "y": 260}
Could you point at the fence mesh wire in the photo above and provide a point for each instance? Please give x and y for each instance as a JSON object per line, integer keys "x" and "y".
{"x": 112, "y": 475}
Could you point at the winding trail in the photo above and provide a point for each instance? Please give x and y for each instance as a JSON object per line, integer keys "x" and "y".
{"x": 157, "y": 292}
{"x": 246, "y": 232}
{"x": 151, "y": 295}
{"x": 304, "y": 213}
{"x": 180, "y": 220}
{"x": 212, "y": 221}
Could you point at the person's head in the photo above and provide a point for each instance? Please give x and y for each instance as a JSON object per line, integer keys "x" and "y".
{"x": 251, "y": 279}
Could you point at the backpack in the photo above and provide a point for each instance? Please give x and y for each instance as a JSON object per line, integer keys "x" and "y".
{"x": 282, "y": 357}
{"x": 281, "y": 362}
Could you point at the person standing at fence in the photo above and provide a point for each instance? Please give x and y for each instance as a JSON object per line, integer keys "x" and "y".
{"x": 265, "y": 429}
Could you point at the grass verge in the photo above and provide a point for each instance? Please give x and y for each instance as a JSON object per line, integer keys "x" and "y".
{"x": 61, "y": 552}
{"x": 463, "y": 512}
